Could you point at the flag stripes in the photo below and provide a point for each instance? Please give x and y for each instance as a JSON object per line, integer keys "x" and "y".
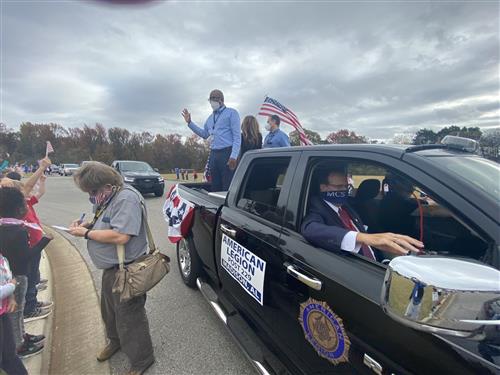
{"x": 273, "y": 107}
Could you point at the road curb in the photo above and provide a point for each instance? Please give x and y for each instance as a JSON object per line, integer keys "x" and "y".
{"x": 77, "y": 328}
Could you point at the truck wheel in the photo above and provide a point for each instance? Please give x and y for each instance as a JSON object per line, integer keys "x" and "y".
{"x": 188, "y": 261}
{"x": 158, "y": 193}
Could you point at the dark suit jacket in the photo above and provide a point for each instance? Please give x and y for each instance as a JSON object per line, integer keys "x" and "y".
{"x": 322, "y": 226}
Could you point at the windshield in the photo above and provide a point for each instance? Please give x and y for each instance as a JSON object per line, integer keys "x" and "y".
{"x": 482, "y": 173}
{"x": 71, "y": 166}
{"x": 135, "y": 166}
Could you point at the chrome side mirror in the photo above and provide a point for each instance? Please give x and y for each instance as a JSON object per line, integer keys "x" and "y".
{"x": 449, "y": 296}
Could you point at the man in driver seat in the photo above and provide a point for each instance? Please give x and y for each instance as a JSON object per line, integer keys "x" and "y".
{"x": 333, "y": 225}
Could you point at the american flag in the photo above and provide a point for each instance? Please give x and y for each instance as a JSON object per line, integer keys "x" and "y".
{"x": 49, "y": 148}
{"x": 273, "y": 107}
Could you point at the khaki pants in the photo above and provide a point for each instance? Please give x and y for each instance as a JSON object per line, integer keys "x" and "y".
{"x": 126, "y": 323}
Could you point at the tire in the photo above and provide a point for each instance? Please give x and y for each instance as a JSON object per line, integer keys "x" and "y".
{"x": 188, "y": 262}
{"x": 158, "y": 193}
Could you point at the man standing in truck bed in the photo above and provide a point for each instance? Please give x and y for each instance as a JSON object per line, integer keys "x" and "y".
{"x": 223, "y": 126}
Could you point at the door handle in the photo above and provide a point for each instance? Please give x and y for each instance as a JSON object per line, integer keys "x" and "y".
{"x": 228, "y": 230}
{"x": 311, "y": 282}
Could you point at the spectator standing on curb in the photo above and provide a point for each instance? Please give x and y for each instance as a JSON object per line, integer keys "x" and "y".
{"x": 14, "y": 245}
{"x": 118, "y": 220}
{"x": 9, "y": 361}
{"x": 251, "y": 138}
{"x": 276, "y": 137}
{"x": 34, "y": 309}
{"x": 223, "y": 127}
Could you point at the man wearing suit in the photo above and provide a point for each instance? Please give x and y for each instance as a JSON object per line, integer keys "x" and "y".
{"x": 332, "y": 225}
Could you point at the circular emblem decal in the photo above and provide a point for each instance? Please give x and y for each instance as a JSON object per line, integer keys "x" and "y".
{"x": 324, "y": 331}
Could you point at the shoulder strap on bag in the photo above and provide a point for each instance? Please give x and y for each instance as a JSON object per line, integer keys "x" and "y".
{"x": 151, "y": 241}
{"x": 120, "y": 249}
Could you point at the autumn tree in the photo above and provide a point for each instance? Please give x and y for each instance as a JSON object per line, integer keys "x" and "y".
{"x": 424, "y": 137}
{"x": 344, "y": 136}
{"x": 314, "y": 137}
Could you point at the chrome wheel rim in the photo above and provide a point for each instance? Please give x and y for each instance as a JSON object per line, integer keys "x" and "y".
{"x": 184, "y": 258}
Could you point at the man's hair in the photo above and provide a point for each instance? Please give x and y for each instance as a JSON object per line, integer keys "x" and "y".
{"x": 95, "y": 175}
{"x": 325, "y": 173}
{"x": 216, "y": 94}
{"x": 12, "y": 203}
{"x": 14, "y": 175}
{"x": 276, "y": 119}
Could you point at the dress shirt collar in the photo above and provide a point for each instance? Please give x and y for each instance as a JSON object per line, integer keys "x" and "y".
{"x": 333, "y": 207}
{"x": 221, "y": 108}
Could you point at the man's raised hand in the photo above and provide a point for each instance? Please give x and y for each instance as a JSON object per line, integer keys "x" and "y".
{"x": 187, "y": 116}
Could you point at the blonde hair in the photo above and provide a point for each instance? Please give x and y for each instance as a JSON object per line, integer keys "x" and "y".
{"x": 95, "y": 175}
{"x": 9, "y": 182}
{"x": 250, "y": 129}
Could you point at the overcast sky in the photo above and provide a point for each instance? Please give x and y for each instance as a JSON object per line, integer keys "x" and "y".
{"x": 376, "y": 68}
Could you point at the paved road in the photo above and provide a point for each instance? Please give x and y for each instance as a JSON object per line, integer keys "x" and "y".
{"x": 187, "y": 336}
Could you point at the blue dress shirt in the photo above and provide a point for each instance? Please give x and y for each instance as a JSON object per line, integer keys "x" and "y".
{"x": 224, "y": 127}
{"x": 277, "y": 138}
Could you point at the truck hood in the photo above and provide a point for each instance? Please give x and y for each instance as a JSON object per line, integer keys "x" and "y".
{"x": 141, "y": 174}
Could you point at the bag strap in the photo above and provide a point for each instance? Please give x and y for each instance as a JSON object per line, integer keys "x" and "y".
{"x": 120, "y": 249}
{"x": 151, "y": 241}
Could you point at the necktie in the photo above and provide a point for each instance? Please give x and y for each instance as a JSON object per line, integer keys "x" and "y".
{"x": 348, "y": 223}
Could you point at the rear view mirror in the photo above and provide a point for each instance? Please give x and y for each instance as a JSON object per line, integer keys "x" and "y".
{"x": 157, "y": 170}
{"x": 443, "y": 295}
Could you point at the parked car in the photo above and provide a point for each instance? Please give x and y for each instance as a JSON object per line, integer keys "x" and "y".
{"x": 69, "y": 169}
{"x": 297, "y": 308}
{"x": 141, "y": 176}
{"x": 55, "y": 169}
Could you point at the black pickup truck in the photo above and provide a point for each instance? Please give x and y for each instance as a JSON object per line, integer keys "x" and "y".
{"x": 296, "y": 308}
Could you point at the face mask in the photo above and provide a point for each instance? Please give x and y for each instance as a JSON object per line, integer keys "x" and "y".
{"x": 337, "y": 198}
{"x": 215, "y": 105}
{"x": 268, "y": 127}
{"x": 100, "y": 198}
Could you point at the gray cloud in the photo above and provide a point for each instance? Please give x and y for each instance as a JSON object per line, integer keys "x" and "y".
{"x": 376, "y": 68}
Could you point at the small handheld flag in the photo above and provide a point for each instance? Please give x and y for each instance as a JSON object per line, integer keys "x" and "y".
{"x": 49, "y": 149}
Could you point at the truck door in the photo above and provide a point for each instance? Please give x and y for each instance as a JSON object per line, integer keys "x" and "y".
{"x": 325, "y": 305}
{"x": 249, "y": 231}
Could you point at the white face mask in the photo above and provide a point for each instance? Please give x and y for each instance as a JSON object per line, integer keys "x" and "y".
{"x": 215, "y": 105}
{"x": 268, "y": 127}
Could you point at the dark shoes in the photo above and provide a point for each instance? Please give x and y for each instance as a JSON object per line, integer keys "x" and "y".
{"x": 37, "y": 314}
{"x": 108, "y": 352}
{"x": 28, "y": 349}
{"x": 34, "y": 339}
{"x": 44, "y": 305}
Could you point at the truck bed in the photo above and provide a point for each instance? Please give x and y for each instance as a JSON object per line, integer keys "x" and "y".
{"x": 207, "y": 206}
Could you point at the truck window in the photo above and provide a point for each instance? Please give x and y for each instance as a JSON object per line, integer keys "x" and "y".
{"x": 261, "y": 188}
{"x": 388, "y": 201}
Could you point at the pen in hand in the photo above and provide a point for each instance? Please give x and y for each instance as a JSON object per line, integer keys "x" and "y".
{"x": 80, "y": 221}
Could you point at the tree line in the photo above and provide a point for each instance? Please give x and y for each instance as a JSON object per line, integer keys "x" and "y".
{"x": 167, "y": 151}
{"x": 75, "y": 145}
{"x": 489, "y": 141}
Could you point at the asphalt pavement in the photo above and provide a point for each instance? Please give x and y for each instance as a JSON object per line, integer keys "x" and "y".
{"x": 187, "y": 336}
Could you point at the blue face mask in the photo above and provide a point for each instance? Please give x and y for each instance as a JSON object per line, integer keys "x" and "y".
{"x": 337, "y": 198}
